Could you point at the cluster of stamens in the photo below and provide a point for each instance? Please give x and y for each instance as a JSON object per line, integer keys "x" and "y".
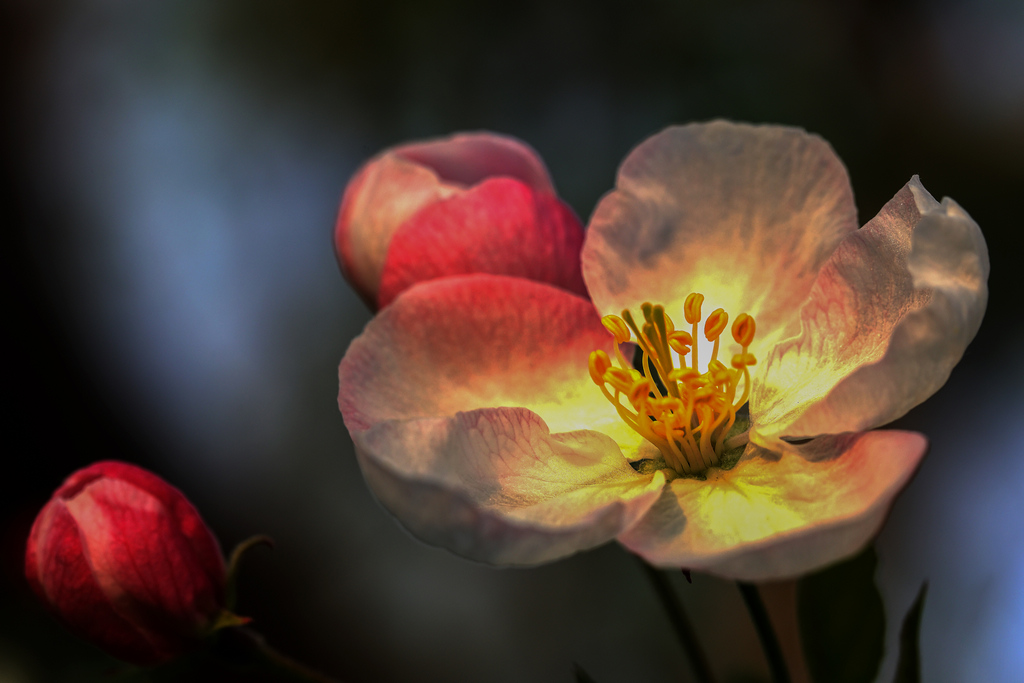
{"x": 687, "y": 414}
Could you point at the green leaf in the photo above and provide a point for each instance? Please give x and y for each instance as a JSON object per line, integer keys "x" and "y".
{"x": 581, "y": 675}
{"x": 842, "y": 621}
{"x": 908, "y": 669}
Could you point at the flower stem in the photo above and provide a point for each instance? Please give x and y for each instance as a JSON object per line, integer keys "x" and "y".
{"x": 286, "y": 665}
{"x": 680, "y": 623}
{"x": 765, "y": 632}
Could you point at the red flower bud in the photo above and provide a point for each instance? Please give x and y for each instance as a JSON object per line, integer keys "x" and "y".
{"x": 126, "y": 562}
{"x": 467, "y": 204}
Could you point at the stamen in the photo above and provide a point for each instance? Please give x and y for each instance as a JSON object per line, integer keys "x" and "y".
{"x": 743, "y": 329}
{"x": 614, "y": 324}
{"x": 691, "y": 311}
{"x": 687, "y": 414}
{"x": 715, "y": 324}
{"x": 691, "y": 308}
{"x": 600, "y": 363}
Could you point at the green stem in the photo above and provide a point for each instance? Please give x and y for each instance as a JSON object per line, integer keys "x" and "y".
{"x": 769, "y": 641}
{"x": 288, "y": 666}
{"x": 680, "y": 623}
{"x": 235, "y": 560}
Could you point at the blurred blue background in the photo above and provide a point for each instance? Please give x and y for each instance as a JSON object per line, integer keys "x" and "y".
{"x": 171, "y": 177}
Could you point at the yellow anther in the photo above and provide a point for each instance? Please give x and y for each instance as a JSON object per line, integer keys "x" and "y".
{"x": 722, "y": 376}
{"x": 691, "y": 308}
{"x": 667, "y": 404}
{"x": 686, "y": 413}
{"x": 741, "y": 360}
{"x": 683, "y": 375}
{"x": 639, "y": 391}
{"x": 715, "y": 324}
{"x": 704, "y": 393}
{"x": 680, "y": 342}
{"x": 617, "y": 327}
{"x": 743, "y": 329}
{"x": 716, "y": 366}
{"x": 600, "y": 363}
{"x": 621, "y": 380}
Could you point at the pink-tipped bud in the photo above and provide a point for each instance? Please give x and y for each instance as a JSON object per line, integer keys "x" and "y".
{"x": 467, "y": 204}
{"x": 126, "y": 562}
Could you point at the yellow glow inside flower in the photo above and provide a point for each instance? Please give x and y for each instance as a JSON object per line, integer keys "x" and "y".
{"x": 687, "y": 414}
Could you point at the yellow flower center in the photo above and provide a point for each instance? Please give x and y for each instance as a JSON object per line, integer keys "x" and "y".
{"x": 685, "y": 413}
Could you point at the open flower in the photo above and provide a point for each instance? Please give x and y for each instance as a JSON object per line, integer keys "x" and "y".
{"x": 516, "y": 423}
{"x": 470, "y": 203}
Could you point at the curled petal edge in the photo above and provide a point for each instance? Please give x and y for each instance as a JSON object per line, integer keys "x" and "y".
{"x": 940, "y": 307}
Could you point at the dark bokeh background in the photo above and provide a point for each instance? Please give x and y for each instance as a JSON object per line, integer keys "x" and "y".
{"x": 171, "y": 176}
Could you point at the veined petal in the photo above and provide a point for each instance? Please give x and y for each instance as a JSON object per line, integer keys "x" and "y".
{"x": 479, "y": 341}
{"x": 775, "y": 516}
{"x": 392, "y": 186}
{"x": 59, "y": 570}
{"x": 134, "y": 545}
{"x": 745, "y": 215}
{"x": 501, "y": 226}
{"x": 495, "y": 485}
{"x": 888, "y": 318}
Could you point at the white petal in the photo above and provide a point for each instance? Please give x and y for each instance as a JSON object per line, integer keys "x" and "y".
{"x": 745, "y": 215}
{"x": 888, "y": 318}
{"x": 494, "y": 485}
{"x": 777, "y": 516}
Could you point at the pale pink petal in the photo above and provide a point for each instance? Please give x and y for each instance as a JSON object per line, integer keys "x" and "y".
{"x": 745, "y": 215}
{"x": 500, "y": 226}
{"x": 468, "y": 158}
{"x": 479, "y": 341}
{"x": 777, "y": 516}
{"x": 392, "y": 186}
{"x": 495, "y": 485}
{"x": 888, "y": 318}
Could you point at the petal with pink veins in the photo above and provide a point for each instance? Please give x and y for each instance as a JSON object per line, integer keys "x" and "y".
{"x": 775, "y": 515}
{"x": 889, "y": 316}
{"x": 500, "y": 226}
{"x": 494, "y": 484}
{"x": 745, "y": 215}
